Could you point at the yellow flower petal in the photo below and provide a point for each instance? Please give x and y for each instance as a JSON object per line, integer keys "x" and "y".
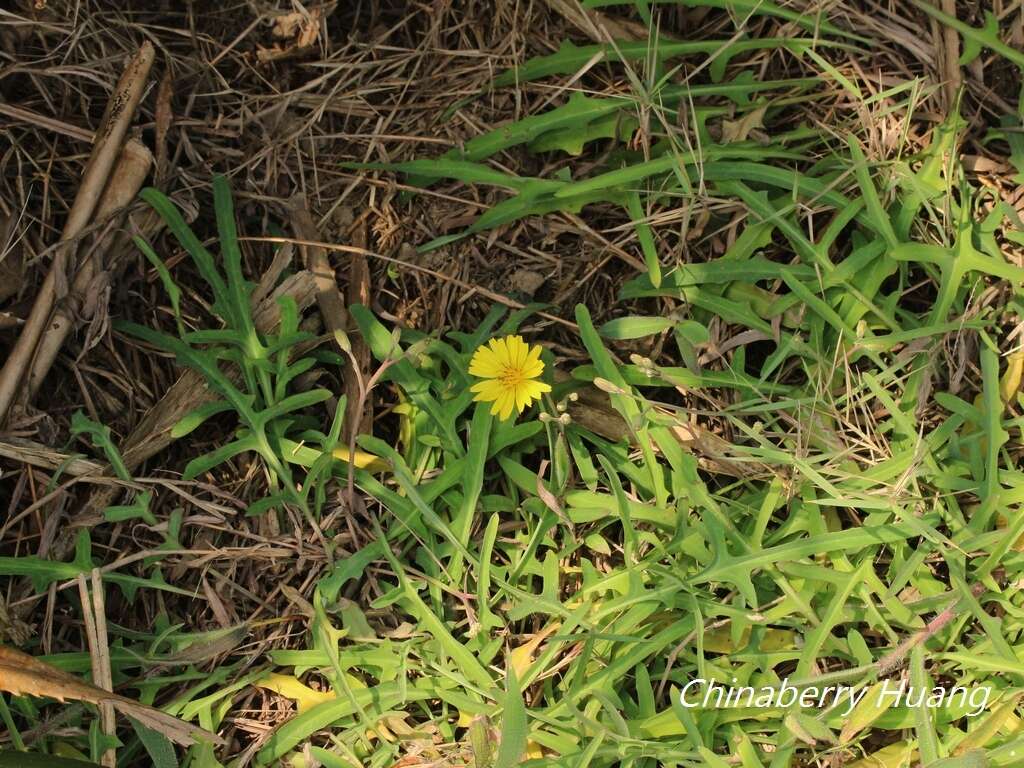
{"x": 488, "y": 390}
{"x": 517, "y": 351}
{"x": 510, "y": 369}
{"x": 533, "y": 367}
{"x": 485, "y": 364}
{"x": 536, "y": 389}
{"x": 499, "y": 403}
{"x": 500, "y": 350}
{"x": 522, "y": 397}
{"x": 508, "y": 403}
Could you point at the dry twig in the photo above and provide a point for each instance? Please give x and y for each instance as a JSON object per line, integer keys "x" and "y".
{"x": 22, "y": 674}
{"x": 106, "y": 149}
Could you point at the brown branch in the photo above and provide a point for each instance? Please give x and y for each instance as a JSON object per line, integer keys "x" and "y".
{"x": 21, "y": 674}
{"x": 106, "y": 149}
{"x": 949, "y": 51}
{"x": 125, "y": 182}
{"x": 358, "y": 414}
{"x": 333, "y": 305}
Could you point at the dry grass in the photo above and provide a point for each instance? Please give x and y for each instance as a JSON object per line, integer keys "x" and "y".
{"x": 377, "y": 85}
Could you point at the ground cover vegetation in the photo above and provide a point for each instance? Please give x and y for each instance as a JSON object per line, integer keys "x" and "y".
{"x": 469, "y": 378}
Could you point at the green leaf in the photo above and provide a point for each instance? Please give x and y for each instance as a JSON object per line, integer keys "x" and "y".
{"x": 635, "y": 327}
{"x": 404, "y": 374}
{"x": 101, "y": 438}
{"x": 472, "y": 482}
{"x": 158, "y": 746}
{"x": 514, "y": 724}
{"x": 192, "y": 421}
{"x": 924, "y": 725}
{"x": 571, "y": 140}
{"x": 292, "y": 403}
{"x": 138, "y": 509}
{"x": 173, "y": 292}
{"x": 186, "y": 237}
{"x": 208, "y": 461}
{"x": 878, "y": 217}
{"x": 570, "y": 58}
{"x": 645, "y": 236}
{"x": 238, "y": 289}
{"x": 267, "y": 503}
{"x": 986, "y": 36}
{"x": 348, "y": 568}
{"x": 712, "y": 760}
{"x": 972, "y": 45}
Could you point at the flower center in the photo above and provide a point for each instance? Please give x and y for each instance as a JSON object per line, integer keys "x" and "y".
{"x": 512, "y": 377}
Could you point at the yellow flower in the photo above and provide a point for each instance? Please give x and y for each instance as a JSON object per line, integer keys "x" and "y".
{"x": 509, "y": 368}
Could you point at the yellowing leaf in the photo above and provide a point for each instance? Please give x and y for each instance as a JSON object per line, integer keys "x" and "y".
{"x": 1012, "y": 723}
{"x": 872, "y": 706}
{"x": 712, "y": 760}
{"x": 363, "y": 460}
{"x": 380, "y": 731}
{"x": 63, "y": 749}
{"x": 808, "y": 729}
{"x": 481, "y": 740}
{"x": 720, "y": 640}
{"x": 898, "y": 755}
{"x": 665, "y": 723}
{"x": 354, "y": 682}
{"x": 406, "y": 422}
{"x": 399, "y": 727}
{"x": 1009, "y": 384}
{"x": 521, "y": 658}
{"x": 290, "y": 687}
{"x": 997, "y": 719}
{"x": 394, "y": 728}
